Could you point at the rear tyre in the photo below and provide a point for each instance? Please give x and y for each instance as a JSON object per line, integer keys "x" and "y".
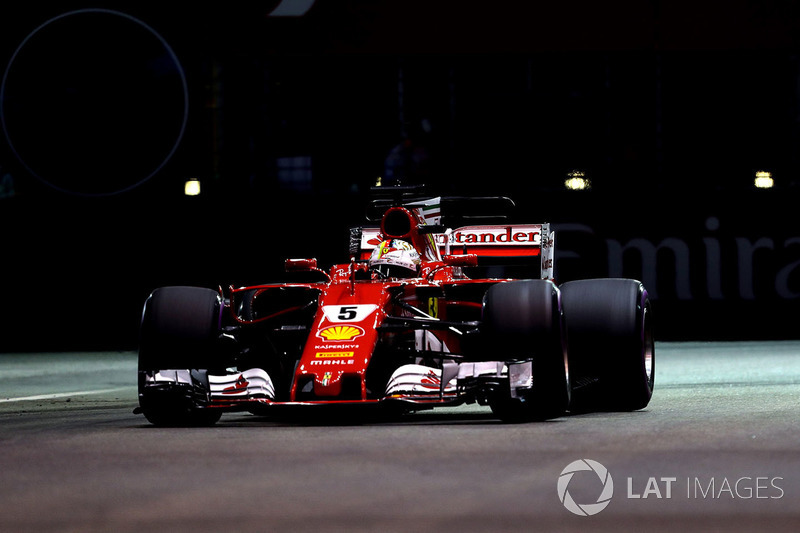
{"x": 611, "y": 345}
{"x": 523, "y": 321}
{"x": 180, "y": 326}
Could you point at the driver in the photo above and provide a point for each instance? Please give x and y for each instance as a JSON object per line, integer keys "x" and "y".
{"x": 395, "y": 258}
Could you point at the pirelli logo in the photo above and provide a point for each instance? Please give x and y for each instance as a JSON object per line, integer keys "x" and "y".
{"x": 333, "y": 355}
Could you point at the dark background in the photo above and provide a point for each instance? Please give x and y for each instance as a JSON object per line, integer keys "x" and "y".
{"x": 670, "y": 108}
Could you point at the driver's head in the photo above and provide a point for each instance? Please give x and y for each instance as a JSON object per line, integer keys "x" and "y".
{"x": 395, "y": 258}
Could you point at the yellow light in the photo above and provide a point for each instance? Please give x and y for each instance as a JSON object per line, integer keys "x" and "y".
{"x": 192, "y": 187}
{"x": 764, "y": 180}
{"x": 577, "y": 181}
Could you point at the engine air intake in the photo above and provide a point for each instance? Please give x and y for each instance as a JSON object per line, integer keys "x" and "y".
{"x": 396, "y": 223}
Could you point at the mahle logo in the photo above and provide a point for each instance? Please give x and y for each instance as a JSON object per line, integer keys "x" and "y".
{"x": 588, "y": 482}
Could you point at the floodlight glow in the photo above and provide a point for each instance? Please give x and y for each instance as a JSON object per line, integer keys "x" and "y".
{"x": 577, "y": 181}
{"x": 764, "y": 180}
{"x": 192, "y": 187}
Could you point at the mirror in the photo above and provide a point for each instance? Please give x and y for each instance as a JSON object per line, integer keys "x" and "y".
{"x": 300, "y": 265}
{"x": 466, "y": 260}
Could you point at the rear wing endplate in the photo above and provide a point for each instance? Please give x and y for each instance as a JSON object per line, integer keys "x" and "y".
{"x": 497, "y": 243}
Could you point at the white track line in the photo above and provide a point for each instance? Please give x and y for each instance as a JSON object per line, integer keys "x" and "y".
{"x": 62, "y": 395}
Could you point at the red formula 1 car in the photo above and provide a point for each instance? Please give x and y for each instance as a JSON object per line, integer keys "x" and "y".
{"x": 406, "y": 323}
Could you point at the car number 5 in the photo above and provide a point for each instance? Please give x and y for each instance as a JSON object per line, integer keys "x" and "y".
{"x": 348, "y": 313}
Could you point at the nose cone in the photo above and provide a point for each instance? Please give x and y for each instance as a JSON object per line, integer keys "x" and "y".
{"x": 328, "y": 383}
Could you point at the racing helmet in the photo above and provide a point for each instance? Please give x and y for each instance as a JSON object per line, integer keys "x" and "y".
{"x": 395, "y": 258}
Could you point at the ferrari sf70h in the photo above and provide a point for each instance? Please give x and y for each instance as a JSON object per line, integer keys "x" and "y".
{"x": 421, "y": 316}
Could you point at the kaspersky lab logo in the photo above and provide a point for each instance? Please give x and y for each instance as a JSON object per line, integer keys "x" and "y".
{"x": 584, "y": 483}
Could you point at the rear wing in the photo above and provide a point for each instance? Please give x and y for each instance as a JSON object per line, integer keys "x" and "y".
{"x": 496, "y": 244}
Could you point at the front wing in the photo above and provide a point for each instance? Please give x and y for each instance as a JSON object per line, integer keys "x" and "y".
{"x": 413, "y": 384}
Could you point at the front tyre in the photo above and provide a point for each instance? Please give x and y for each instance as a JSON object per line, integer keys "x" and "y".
{"x": 180, "y": 326}
{"x": 523, "y": 321}
{"x": 611, "y": 345}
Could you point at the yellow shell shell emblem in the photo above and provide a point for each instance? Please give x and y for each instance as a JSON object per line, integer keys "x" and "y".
{"x": 340, "y": 333}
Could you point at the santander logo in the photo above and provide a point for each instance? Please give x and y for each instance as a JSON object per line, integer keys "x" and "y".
{"x": 498, "y": 235}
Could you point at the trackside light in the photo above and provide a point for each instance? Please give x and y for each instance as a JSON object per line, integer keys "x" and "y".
{"x": 764, "y": 180}
{"x": 577, "y": 181}
{"x": 192, "y": 187}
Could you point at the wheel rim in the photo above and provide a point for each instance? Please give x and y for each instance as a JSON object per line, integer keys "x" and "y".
{"x": 648, "y": 347}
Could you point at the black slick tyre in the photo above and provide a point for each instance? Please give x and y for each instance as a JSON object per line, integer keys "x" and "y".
{"x": 611, "y": 344}
{"x": 179, "y": 329}
{"x": 522, "y": 320}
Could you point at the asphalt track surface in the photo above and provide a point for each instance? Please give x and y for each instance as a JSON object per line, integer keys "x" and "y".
{"x": 718, "y": 449}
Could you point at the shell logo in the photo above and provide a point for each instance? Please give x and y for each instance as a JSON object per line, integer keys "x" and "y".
{"x": 340, "y": 333}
